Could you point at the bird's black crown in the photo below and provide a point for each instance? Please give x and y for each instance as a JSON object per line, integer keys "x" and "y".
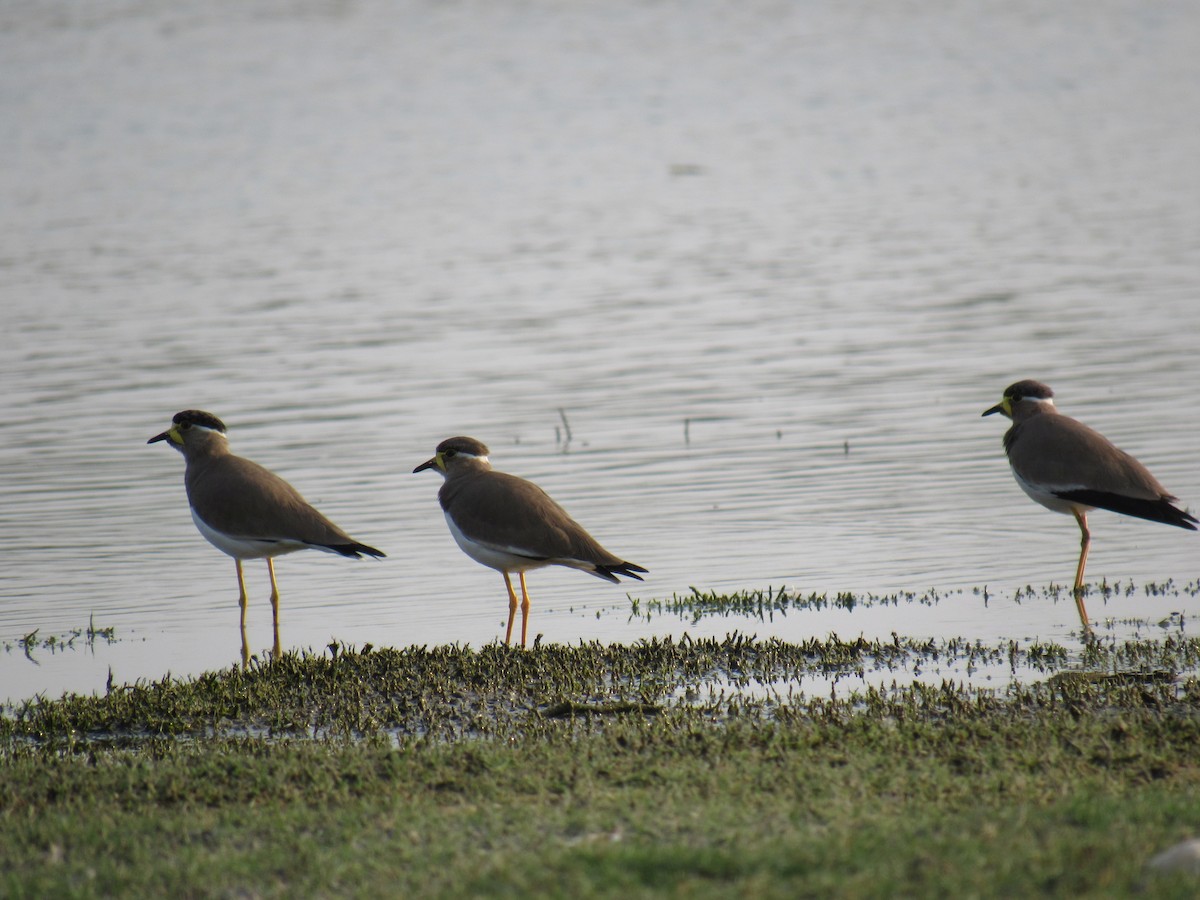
{"x": 199, "y": 417}
{"x": 1028, "y": 389}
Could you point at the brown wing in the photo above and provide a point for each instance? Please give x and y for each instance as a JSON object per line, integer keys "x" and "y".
{"x": 517, "y": 516}
{"x": 1074, "y": 462}
{"x": 1058, "y": 452}
{"x": 263, "y": 505}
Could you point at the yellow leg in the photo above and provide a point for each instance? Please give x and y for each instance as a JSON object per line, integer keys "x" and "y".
{"x": 241, "y": 591}
{"x": 242, "y": 605}
{"x": 524, "y": 609}
{"x": 512, "y": 607}
{"x": 275, "y": 651}
{"x": 1084, "y": 543}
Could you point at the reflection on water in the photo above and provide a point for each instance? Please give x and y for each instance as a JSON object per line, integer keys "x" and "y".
{"x": 770, "y": 262}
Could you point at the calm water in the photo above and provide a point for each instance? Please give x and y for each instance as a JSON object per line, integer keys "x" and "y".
{"x": 770, "y": 260}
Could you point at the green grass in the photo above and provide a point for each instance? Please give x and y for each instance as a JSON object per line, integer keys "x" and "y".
{"x": 35, "y": 641}
{"x": 572, "y": 771}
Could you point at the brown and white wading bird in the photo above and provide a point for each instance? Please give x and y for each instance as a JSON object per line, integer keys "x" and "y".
{"x": 1067, "y": 467}
{"x": 245, "y": 510}
{"x": 512, "y": 525}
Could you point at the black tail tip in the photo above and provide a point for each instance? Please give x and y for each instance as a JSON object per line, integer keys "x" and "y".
{"x": 1180, "y": 518}
{"x": 358, "y": 551}
{"x": 628, "y": 569}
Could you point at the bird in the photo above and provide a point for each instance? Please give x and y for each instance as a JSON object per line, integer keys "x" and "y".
{"x": 248, "y": 511}
{"x": 1069, "y": 468}
{"x": 512, "y": 525}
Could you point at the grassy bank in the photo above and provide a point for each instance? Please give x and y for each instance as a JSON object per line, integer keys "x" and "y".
{"x": 665, "y": 768}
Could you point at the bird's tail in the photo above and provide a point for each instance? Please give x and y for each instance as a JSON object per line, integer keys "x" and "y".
{"x": 610, "y": 572}
{"x": 354, "y": 550}
{"x": 1160, "y": 510}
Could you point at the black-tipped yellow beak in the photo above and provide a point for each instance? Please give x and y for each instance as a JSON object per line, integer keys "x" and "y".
{"x": 435, "y": 463}
{"x": 171, "y": 434}
{"x": 1001, "y": 407}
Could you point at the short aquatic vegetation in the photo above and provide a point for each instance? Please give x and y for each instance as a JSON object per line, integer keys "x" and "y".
{"x": 450, "y": 692}
{"x": 764, "y": 604}
{"x": 75, "y": 639}
{"x": 434, "y": 771}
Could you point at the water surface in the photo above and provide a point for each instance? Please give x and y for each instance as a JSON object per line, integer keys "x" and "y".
{"x": 770, "y": 261}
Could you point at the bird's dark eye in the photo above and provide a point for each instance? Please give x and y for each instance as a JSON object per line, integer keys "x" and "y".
{"x": 449, "y": 453}
{"x": 185, "y": 426}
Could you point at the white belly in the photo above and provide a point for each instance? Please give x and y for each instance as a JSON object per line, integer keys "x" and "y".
{"x": 245, "y": 548}
{"x": 1047, "y": 498}
{"x": 493, "y": 557}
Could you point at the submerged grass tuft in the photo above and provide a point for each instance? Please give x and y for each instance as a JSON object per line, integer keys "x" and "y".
{"x": 765, "y": 604}
{"x": 77, "y": 638}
